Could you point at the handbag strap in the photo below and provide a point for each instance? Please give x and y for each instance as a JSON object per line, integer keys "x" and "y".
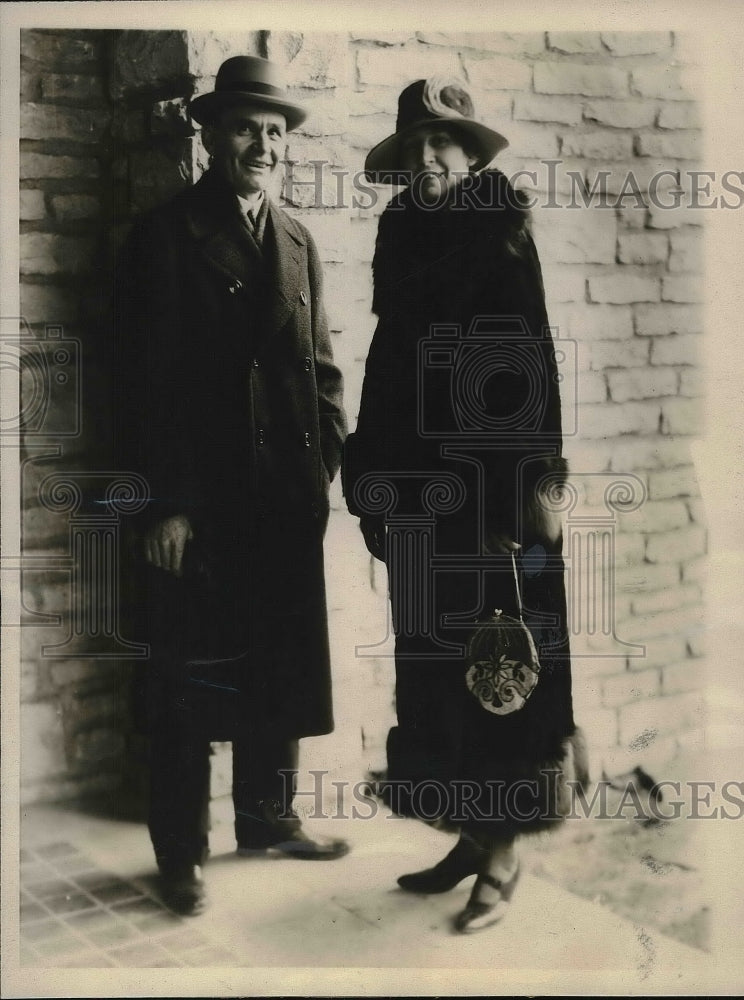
{"x": 516, "y": 584}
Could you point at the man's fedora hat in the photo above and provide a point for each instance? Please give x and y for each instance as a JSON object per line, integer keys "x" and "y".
{"x": 247, "y": 80}
{"x": 437, "y": 99}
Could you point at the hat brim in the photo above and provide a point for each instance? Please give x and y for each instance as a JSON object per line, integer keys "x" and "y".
{"x": 383, "y": 162}
{"x": 205, "y": 109}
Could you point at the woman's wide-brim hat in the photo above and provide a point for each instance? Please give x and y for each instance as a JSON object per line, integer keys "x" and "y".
{"x": 247, "y": 80}
{"x": 437, "y": 99}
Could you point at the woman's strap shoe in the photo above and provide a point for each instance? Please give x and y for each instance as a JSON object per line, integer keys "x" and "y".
{"x": 479, "y": 914}
{"x": 464, "y": 859}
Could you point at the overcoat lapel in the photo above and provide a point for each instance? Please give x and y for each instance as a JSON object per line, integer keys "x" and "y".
{"x": 285, "y": 262}
{"x": 214, "y": 221}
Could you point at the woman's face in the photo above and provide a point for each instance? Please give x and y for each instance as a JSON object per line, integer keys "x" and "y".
{"x": 436, "y": 159}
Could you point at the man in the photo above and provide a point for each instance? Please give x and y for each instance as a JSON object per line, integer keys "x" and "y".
{"x": 230, "y": 406}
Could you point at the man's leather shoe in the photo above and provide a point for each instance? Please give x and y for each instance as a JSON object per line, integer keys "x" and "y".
{"x": 183, "y": 891}
{"x": 273, "y": 826}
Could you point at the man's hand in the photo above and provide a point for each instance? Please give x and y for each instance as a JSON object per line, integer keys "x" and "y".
{"x": 375, "y": 535}
{"x": 165, "y": 543}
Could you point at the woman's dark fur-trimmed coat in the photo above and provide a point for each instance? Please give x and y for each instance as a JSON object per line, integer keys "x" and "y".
{"x": 461, "y": 387}
{"x": 230, "y": 407}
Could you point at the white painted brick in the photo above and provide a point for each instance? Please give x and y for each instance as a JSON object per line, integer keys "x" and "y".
{"x": 528, "y": 140}
{"x": 674, "y": 546}
{"x": 628, "y": 180}
{"x": 575, "y": 78}
{"x": 658, "y": 651}
{"x": 509, "y": 43}
{"x": 600, "y": 727}
{"x": 616, "y": 353}
{"x": 591, "y": 388}
{"x": 656, "y": 515}
{"x": 682, "y": 288}
{"x": 608, "y": 420}
{"x": 620, "y": 114}
{"x": 676, "y": 349}
{"x": 676, "y": 482}
{"x": 646, "y": 578}
{"x": 52, "y": 122}
{"x": 697, "y": 510}
{"x": 692, "y": 382}
{"x": 686, "y": 145}
{"x": 653, "y": 452}
{"x": 500, "y": 73}
{"x": 624, "y": 286}
{"x": 564, "y": 283}
{"x": 598, "y": 145}
{"x": 697, "y": 643}
{"x": 642, "y": 248}
{"x": 666, "y": 600}
{"x": 666, "y": 214}
{"x": 695, "y": 571}
{"x": 658, "y": 320}
{"x": 42, "y": 742}
{"x": 642, "y": 383}
{"x": 394, "y": 37}
{"x": 586, "y": 667}
{"x": 630, "y": 686}
{"x": 632, "y": 216}
{"x": 494, "y": 107}
{"x": 31, "y": 205}
{"x": 667, "y": 82}
{"x": 576, "y": 237}
{"x": 636, "y": 43}
{"x": 689, "y": 675}
{"x": 538, "y": 108}
{"x": 572, "y": 42}
{"x": 396, "y": 68}
{"x": 629, "y": 549}
{"x": 678, "y": 115}
{"x": 686, "y": 250}
{"x": 673, "y": 713}
{"x": 601, "y": 322}
{"x": 682, "y": 416}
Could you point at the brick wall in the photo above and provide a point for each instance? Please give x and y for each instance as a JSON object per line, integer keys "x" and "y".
{"x": 104, "y": 135}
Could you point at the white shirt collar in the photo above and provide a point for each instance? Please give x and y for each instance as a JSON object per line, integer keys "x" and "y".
{"x": 251, "y": 207}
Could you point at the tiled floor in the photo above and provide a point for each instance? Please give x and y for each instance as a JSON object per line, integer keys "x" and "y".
{"x": 88, "y": 900}
{"x": 75, "y": 914}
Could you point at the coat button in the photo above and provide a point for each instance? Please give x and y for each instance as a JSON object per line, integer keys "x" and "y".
{"x": 255, "y": 362}
{"x": 303, "y": 297}
{"x": 308, "y": 364}
{"x": 261, "y": 436}
{"x": 307, "y": 439}
{"x": 235, "y": 287}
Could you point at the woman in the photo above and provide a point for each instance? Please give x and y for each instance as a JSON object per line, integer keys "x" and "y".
{"x": 458, "y": 438}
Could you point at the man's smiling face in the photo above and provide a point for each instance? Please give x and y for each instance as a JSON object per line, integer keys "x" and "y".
{"x": 246, "y": 144}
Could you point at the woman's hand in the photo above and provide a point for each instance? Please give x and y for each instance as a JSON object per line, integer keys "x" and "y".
{"x": 375, "y": 535}
{"x": 500, "y": 544}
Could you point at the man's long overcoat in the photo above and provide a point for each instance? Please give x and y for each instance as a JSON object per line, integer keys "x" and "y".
{"x": 230, "y": 406}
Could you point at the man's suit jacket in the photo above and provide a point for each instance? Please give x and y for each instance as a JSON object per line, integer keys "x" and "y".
{"x": 230, "y": 406}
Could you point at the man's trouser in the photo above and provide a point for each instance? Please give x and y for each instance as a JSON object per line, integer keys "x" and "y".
{"x": 180, "y": 751}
